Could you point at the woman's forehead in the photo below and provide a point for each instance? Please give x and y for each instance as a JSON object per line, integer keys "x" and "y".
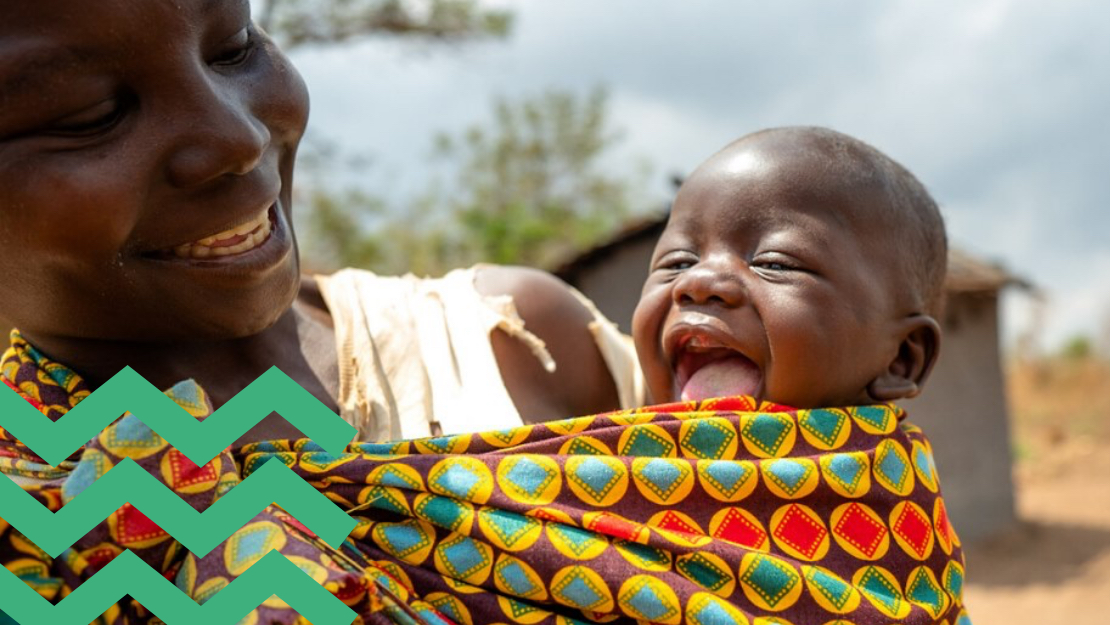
{"x": 52, "y": 41}
{"x": 84, "y": 24}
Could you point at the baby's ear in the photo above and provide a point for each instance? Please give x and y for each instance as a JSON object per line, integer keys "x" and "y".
{"x": 905, "y": 376}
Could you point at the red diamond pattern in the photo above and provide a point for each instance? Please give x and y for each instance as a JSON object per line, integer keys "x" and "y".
{"x": 944, "y": 529}
{"x": 914, "y": 528}
{"x": 185, "y": 473}
{"x": 135, "y": 527}
{"x": 860, "y": 530}
{"x": 942, "y": 521}
{"x": 98, "y": 557}
{"x": 737, "y": 529}
{"x": 674, "y": 523}
{"x": 801, "y": 532}
{"x": 614, "y": 526}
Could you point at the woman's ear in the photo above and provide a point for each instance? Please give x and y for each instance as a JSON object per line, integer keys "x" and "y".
{"x": 905, "y": 376}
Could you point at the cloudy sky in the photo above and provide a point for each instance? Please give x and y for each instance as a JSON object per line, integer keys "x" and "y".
{"x": 1001, "y": 107}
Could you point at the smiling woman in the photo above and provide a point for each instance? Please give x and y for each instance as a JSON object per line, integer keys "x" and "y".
{"x": 146, "y": 162}
{"x": 146, "y": 167}
{"x": 131, "y": 129}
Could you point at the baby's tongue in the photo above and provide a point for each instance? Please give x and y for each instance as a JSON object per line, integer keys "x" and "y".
{"x": 732, "y": 375}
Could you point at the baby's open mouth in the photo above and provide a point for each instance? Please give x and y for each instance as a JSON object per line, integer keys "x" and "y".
{"x": 704, "y": 368}
{"x": 241, "y": 238}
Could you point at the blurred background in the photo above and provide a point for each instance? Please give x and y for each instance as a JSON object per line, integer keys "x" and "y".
{"x": 554, "y": 134}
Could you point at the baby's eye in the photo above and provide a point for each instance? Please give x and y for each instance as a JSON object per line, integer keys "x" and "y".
{"x": 776, "y": 264}
{"x": 676, "y": 262}
{"x": 94, "y": 120}
{"x": 238, "y": 50}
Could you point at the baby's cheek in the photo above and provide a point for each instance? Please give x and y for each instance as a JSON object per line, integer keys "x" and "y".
{"x": 647, "y": 322}
{"x": 657, "y": 375}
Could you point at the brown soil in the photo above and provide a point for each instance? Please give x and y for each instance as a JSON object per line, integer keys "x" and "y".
{"x": 1054, "y": 568}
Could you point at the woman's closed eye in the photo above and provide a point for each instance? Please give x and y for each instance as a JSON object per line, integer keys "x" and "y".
{"x": 237, "y": 50}
{"x": 93, "y": 121}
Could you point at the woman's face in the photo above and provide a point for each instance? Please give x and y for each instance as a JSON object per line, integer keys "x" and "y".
{"x": 146, "y": 157}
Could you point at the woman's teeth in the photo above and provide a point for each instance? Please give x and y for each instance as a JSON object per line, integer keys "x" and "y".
{"x": 233, "y": 241}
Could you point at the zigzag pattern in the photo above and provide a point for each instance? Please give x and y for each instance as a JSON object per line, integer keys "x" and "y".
{"x": 127, "y": 482}
{"x": 128, "y": 575}
{"x": 198, "y": 441}
{"x": 199, "y": 532}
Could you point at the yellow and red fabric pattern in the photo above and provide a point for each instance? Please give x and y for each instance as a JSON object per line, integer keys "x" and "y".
{"x": 705, "y": 513}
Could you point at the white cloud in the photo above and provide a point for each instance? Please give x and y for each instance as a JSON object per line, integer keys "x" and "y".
{"x": 998, "y": 106}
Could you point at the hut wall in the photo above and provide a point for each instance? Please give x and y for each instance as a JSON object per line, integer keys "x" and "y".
{"x": 963, "y": 411}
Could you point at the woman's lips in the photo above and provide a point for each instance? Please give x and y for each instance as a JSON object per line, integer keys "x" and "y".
{"x": 237, "y": 240}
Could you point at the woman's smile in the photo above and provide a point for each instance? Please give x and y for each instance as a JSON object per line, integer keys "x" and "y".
{"x": 253, "y": 247}
{"x": 234, "y": 241}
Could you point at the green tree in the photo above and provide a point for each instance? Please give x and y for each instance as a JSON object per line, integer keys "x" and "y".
{"x": 298, "y": 22}
{"x": 337, "y": 234}
{"x": 1078, "y": 347}
{"x": 529, "y": 186}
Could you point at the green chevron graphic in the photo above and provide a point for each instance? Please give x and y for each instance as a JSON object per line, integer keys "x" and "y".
{"x": 199, "y": 441}
{"x": 198, "y": 532}
{"x": 128, "y": 575}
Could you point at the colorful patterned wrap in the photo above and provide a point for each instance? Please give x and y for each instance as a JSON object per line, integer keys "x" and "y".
{"x": 711, "y": 513}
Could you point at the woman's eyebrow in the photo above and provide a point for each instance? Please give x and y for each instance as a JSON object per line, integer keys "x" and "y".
{"x": 22, "y": 74}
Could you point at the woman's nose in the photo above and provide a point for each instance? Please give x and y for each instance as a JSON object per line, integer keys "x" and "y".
{"x": 225, "y": 136}
{"x": 707, "y": 283}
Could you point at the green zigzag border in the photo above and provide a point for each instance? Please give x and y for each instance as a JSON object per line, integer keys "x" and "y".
{"x": 198, "y": 441}
{"x": 199, "y": 532}
{"x": 129, "y": 575}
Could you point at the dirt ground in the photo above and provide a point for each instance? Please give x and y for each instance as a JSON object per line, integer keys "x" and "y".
{"x": 1054, "y": 568}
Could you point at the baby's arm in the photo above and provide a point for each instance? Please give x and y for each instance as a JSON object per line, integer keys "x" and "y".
{"x": 581, "y": 383}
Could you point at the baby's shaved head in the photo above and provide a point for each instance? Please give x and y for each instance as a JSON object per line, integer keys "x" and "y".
{"x": 800, "y": 266}
{"x": 903, "y": 206}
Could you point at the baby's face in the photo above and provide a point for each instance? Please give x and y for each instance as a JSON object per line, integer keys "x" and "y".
{"x": 146, "y": 154}
{"x": 770, "y": 280}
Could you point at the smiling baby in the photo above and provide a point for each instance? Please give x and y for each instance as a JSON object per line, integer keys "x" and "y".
{"x": 799, "y": 266}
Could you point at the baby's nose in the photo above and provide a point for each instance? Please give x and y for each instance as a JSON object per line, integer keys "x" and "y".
{"x": 709, "y": 284}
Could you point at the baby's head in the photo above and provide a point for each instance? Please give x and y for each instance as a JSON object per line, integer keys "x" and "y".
{"x": 146, "y": 155}
{"x": 799, "y": 266}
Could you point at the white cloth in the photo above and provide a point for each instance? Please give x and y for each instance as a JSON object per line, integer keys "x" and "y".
{"x": 415, "y": 354}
